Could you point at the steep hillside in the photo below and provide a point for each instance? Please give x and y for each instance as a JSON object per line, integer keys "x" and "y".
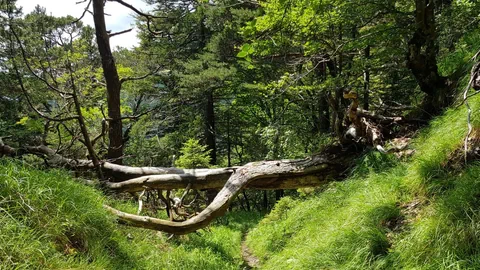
{"x": 419, "y": 214}
{"x": 416, "y": 214}
{"x": 49, "y": 221}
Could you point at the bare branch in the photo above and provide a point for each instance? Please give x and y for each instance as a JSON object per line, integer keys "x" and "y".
{"x": 102, "y": 134}
{"x": 120, "y": 33}
{"x": 140, "y": 202}
{"x": 137, "y": 10}
{"x": 30, "y": 104}
{"x": 133, "y": 117}
{"x": 84, "y": 11}
{"x": 148, "y": 17}
{"x": 126, "y": 79}
{"x": 469, "y": 109}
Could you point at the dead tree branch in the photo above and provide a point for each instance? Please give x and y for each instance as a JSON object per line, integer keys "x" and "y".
{"x": 126, "y": 79}
{"x": 85, "y": 10}
{"x": 119, "y": 33}
{"x": 323, "y": 168}
{"x": 474, "y": 76}
{"x": 148, "y": 17}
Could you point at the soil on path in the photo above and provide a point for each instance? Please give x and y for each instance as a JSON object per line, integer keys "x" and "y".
{"x": 250, "y": 259}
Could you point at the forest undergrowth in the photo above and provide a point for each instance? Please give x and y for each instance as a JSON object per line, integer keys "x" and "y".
{"x": 415, "y": 214}
{"x": 225, "y": 83}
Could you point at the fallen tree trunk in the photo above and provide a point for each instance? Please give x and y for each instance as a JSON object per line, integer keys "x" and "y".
{"x": 212, "y": 179}
{"x": 115, "y": 172}
{"x": 133, "y": 179}
{"x": 6, "y": 150}
{"x": 330, "y": 165}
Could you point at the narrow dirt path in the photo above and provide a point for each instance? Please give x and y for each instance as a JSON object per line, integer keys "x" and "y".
{"x": 250, "y": 259}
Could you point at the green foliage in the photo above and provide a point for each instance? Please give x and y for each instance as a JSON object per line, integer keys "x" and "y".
{"x": 388, "y": 215}
{"x": 271, "y": 73}
{"x": 194, "y": 155}
{"x": 145, "y": 149}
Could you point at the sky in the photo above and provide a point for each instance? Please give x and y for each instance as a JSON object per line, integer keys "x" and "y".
{"x": 121, "y": 17}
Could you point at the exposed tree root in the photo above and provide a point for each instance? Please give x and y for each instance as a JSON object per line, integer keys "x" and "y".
{"x": 460, "y": 157}
{"x": 370, "y": 128}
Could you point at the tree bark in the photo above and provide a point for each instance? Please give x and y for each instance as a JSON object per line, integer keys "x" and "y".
{"x": 133, "y": 179}
{"x": 332, "y": 164}
{"x": 115, "y": 132}
{"x": 247, "y": 203}
{"x": 6, "y": 150}
{"x": 366, "y": 80}
{"x": 324, "y": 124}
{"x": 422, "y": 59}
{"x": 323, "y": 108}
{"x": 210, "y": 128}
{"x": 324, "y": 167}
{"x": 265, "y": 201}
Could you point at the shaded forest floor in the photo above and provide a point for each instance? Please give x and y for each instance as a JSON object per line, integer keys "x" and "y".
{"x": 390, "y": 214}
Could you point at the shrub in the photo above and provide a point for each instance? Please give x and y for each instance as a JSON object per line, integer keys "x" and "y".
{"x": 194, "y": 155}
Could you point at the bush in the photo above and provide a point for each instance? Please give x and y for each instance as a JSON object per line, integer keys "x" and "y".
{"x": 194, "y": 155}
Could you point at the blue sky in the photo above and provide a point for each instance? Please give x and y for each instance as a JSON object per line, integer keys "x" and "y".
{"x": 121, "y": 18}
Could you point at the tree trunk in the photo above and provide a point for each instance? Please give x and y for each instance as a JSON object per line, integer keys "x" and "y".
{"x": 422, "y": 59}
{"x": 323, "y": 108}
{"x": 265, "y": 200}
{"x": 210, "y": 128}
{"x": 115, "y": 148}
{"x": 229, "y": 142}
{"x": 246, "y": 200}
{"x": 338, "y": 112}
{"x": 324, "y": 124}
{"x": 279, "y": 194}
{"x": 366, "y": 81}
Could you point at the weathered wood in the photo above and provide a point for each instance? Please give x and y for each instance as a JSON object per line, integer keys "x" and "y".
{"x": 211, "y": 179}
{"x": 132, "y": 179}
{"x": 6, "y": 150}
{"x": 323, "y": 167}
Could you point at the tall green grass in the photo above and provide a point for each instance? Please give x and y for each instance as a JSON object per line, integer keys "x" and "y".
{"x": 387, "y": 215}
{"x": 49, "y": 221}
{"x": 408, "y": 215}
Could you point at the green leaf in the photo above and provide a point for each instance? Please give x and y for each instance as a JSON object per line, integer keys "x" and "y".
{"x": 242, "y": 54}
{"x": 246, "y": 47}
{"x": 23, "y": 121}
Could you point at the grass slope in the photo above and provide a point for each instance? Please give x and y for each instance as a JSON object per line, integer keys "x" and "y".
{"x": 49, "y": 221}
{"x": 388, "y": 215}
